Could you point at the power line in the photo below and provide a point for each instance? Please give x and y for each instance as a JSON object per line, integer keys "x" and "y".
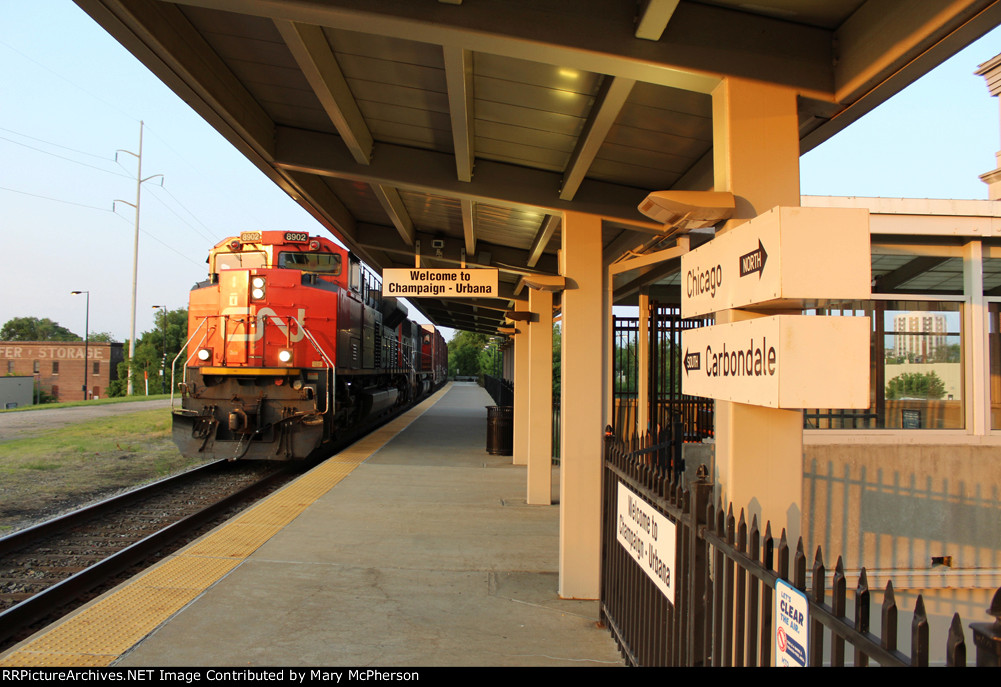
{"x": 57, "y": 145}
{"x": 169, "y": 247}
{"x": 93, "y": 207}
{"x": 69, "y": 81}
{"x": 62, "y": 157}
{"x": 59, "y": 200}
{"x": 173, "y": 212}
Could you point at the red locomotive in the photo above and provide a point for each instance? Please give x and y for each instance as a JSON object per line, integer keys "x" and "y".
{"x": 291, "y": 347}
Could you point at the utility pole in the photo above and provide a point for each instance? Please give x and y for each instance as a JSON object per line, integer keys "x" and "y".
{"x": 135, "y": 248}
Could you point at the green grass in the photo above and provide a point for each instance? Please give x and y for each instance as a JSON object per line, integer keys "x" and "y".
{"x": 95, "y": 402}
{"x": 67, "y": 467}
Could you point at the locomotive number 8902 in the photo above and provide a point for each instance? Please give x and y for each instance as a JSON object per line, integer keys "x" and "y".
{"x": 291, "y": 347}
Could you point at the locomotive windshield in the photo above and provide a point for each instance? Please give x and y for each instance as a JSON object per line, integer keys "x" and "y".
{"x": 325, "y": 263}
{"x": 240, "y": 261}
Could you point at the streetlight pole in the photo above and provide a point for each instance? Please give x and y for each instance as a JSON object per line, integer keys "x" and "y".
{"x": 163, "y": 360}
{"x": 86, "y": 342}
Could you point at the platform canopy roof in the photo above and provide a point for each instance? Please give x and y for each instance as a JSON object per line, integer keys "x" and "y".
{"x": 476, "y": 124}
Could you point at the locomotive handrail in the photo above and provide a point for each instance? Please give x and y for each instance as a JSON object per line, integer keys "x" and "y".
{"x": 173, "y": 364}
{"x": 323, "y": 354}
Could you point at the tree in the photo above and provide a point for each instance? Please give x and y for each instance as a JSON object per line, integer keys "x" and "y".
{"x": 464, "y": 351}
{"x": 915, "y": 385}
{"x": 150, "y": 357}
{"x": 34, "y": 329}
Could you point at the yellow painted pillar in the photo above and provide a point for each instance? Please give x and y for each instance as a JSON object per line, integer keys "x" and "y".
{"x": 540, "y": 398}
{"x": 759, "y": 451}
{"x": 643, "y": 365}
{"x": 581, "y": 382}
{"x": 521, "y": 388}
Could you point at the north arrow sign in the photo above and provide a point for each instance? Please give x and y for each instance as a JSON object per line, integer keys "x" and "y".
{"x": 754, "y": 261}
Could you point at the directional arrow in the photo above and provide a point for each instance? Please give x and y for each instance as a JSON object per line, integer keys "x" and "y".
{"x": 754, "y": 261}
{"x": 692, "y": 361}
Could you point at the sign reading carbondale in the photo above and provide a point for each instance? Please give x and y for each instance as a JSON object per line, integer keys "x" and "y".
{"x": 427, "y": 283}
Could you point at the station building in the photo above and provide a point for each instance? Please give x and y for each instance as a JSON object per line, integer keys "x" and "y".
{"x": 58, "y": 366}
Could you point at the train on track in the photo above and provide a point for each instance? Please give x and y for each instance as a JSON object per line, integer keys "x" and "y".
{"x": 292, "y": 347}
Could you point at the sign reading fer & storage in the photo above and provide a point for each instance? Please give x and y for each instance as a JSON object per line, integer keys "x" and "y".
{"x": 427, "y": 283}
{"x": 649, "y": 537}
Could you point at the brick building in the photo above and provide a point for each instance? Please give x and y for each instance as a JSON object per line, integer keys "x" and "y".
{"x": 59, "y": 365}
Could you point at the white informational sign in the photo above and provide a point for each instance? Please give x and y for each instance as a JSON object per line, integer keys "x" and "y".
{"x": 426, "y": 283}
{"x": 649, "y": 537}
{"x": 792, "y": 613}
{"x": 782, "y": 361}
{"x": 779, "y": 259}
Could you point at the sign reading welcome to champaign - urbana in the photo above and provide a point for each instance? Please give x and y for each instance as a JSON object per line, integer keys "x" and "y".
{"x": 788, "y": 254}
{"x": 649, "y": 537}
{"x": 428, "y": 283}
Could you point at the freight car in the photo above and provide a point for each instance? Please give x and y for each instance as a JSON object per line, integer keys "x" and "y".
{"x": 292, "y": 347}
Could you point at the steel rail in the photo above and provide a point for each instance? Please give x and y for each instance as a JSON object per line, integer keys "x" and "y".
{"x": 45, "y": 603}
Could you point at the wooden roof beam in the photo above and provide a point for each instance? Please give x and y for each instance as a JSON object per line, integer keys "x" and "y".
{"x": 608, "y": 104}
{"x": 459, "y": 82}
{"x": 653, "y": 18}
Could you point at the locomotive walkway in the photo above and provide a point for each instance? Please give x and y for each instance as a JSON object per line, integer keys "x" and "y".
{"x": 423, "y": 553}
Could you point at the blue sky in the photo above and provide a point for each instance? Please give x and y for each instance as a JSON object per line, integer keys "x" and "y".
{"x": 72, "y": 97}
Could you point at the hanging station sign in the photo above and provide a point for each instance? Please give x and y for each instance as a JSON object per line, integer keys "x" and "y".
{"x": 782, "y": 361}
{"x": 778, "y": 260}
{"x": 428, "y": 283}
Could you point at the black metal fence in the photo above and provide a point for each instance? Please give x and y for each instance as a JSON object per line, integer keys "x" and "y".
{"x": 500, "y": 390}
{"x": 664, "y": 399}
{"x": 726, "y": 574}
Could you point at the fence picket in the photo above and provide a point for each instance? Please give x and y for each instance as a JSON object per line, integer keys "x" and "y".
{"x": 723, "y": 579}
{"x": 919, "y": 634}
{"x": 817, "y": 627}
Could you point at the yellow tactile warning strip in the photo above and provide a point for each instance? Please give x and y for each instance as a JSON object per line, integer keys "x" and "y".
{"x": 102, "y": 631}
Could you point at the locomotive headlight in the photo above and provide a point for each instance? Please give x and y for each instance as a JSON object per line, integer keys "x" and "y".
{"x": 204, "y": 354}
{"x": 257, "y": 288}
{"x": 285, "y": 356}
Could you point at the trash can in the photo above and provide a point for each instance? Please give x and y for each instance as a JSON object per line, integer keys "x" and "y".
{"x": 500, "y": 430}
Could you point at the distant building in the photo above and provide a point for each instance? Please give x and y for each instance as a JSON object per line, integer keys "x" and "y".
{"x": 59, "y": 365}
{"x": 919, "y": 335}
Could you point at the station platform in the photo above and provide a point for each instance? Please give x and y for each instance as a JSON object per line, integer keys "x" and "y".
{"x": 414, "y": 547}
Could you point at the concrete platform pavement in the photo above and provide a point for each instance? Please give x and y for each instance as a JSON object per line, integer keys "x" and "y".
{"x": 425, "y": 555}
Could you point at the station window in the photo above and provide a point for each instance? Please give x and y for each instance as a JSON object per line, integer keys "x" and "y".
{"x": 55, "y": 367}
{"x": 97, "y": 368}
{"x": 37, "y": 367}
{"x": 10, "y": 367}
{"x": 916, "y": 367}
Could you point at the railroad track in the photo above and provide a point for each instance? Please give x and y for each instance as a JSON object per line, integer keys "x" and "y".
{"x": 46, "y": 568}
